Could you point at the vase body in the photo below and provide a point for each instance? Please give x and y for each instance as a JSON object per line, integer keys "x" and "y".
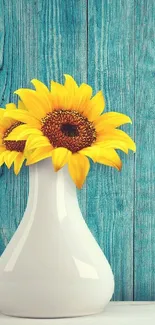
{"x": 53, "y": 267}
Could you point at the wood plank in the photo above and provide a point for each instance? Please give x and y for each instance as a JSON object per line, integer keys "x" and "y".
{"x": 41, "y": 39}
{"x": 2, "y": 244}
{"x": 17, "y": 53}
{"x": 5, "y": 236}
{"x": 109, "y": 193}
{"x": 144, "y": 233}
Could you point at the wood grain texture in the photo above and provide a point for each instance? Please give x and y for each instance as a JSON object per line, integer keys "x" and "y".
{"x": 111, "y": 45}
{"x": 109, "y": 193}
{"x": 39, "y": 39}
{"x": 144, "y": 230}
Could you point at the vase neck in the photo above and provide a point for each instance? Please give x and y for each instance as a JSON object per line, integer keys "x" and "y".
{"x": 45, "y": 173}
{"x": 49, "y": 188}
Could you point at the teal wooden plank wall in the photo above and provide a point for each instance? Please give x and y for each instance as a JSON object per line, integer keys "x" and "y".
{"x": 111, "y": 45}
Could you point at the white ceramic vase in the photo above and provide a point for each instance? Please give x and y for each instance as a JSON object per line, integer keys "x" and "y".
{"x": 53, "y": 267}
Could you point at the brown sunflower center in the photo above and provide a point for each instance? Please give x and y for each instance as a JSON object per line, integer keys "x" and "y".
{"x": 68, "y": 129}
{"x": 13, "y": 145}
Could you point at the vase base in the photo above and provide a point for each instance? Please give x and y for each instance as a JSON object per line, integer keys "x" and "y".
{"x": 76, "y": 315}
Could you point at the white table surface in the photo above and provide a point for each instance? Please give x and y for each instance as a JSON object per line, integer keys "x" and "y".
{"x": 116, "y": 313}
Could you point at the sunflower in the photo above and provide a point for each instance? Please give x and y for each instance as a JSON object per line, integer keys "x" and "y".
{"x": 10, "y": 151}
{"x": 65, "y": 123}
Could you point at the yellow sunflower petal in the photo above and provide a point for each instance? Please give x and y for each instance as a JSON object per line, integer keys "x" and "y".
{"x": 33, "y": 101}
{"x": 96, "y": 106}
{"x": 44, "y": 92}
{"x": 39, "y": 145}
{"x": 18, "y": 162}
{"x": 56, "y": 87}
{"x": 21, "y": 105}
{"x": 92, "y": 152}
{"x": 2, "y": 111}
{"x": 10, "y": 157}
{"x": 115, "y": 144}
{"x": 40, "y": 87}
{"x": 2, "y": 148}
{"x": 24, "y": 134}
{"x": 109, "y": 157}
{"x": 60, "y": 157}
{"x": 7, "y": 122}
{"x": 37, "y": 142}
{"x": 23, "y": 116}
{"x": 10, "y": 106}
{"x": 59, "y": 96}
{"x": 5, "y": 157}
{"x": 2, "y": 130}
{"x": 2, "y": 154}
{"x": 82, "y": 98}
{"x": 78, "y": 168}
{"x": 119, "y": 136}
{"x": 70, "y": 84}
{"x": 13, "y": 135}
{"x": 111, "y": 119}
{"x": 39, "y": 154}
{"x": 71, "y": 87}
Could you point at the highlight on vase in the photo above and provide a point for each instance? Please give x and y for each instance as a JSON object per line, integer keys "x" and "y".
{"x": 65, "y": 123}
